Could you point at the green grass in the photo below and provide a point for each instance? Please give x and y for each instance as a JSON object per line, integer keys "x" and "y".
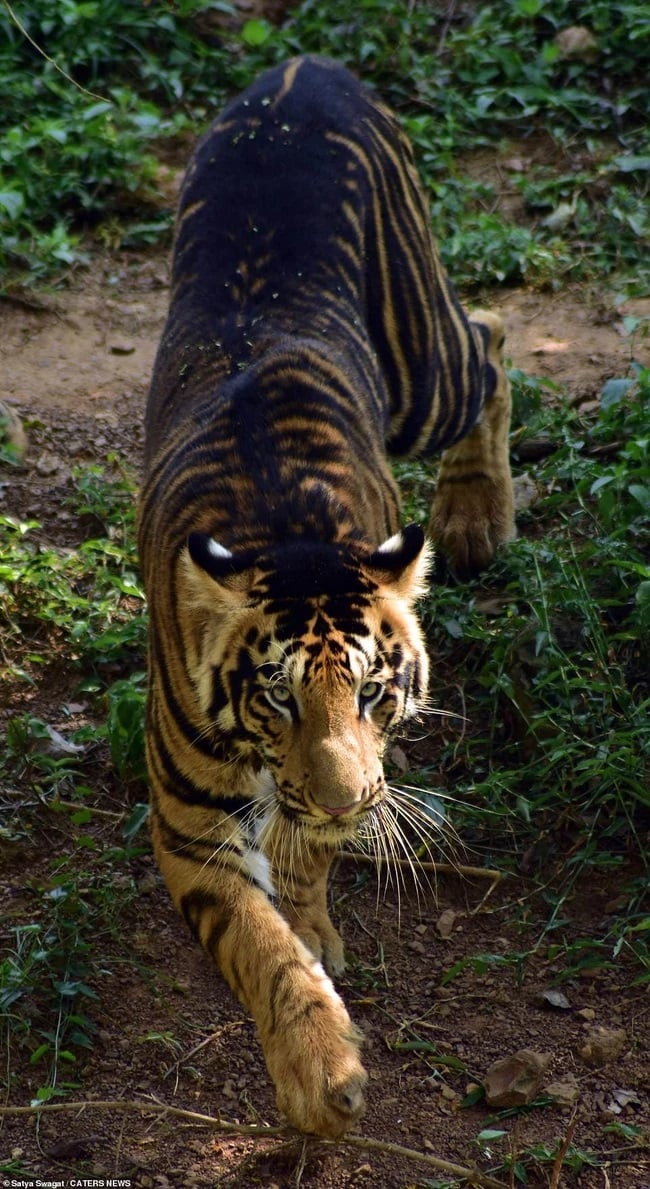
{"x": 554, "y": 664}
{"x": 546, "y": 660}
{"x": 78, "y": 611}
{"x": 84, "y": 599}
{"x": 74, "y": 157}
{"x": 553, "y": 752}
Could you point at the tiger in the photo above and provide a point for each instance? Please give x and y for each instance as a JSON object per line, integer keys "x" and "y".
{"x": 312, "y": 333}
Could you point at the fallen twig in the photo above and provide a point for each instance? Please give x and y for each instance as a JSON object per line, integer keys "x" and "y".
{"x": 440, "y": 869}
{"x": 472, "y": 1176}
{"x": 556, "y": 1171}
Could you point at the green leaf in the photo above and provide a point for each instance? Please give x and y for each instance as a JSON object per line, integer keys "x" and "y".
{"x": 136, "y": 820}
{"x": 96, "y": 109}
{"x": 454, "y": 628}
{"x": 256, "y": 32}
{"x": 13, "y": 202}
{"x": 641, "y": 493}
{"x": 629, "y": 163}
{"x": 529, "y": 8}
{"x": 39, "y": 1052}
{"x": 82, "y": 817}
{"x": 613, "y": 392}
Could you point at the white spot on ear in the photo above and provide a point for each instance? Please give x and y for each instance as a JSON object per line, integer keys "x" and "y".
{"x": 218, "y": 551}
{"x": 392, "y": 545}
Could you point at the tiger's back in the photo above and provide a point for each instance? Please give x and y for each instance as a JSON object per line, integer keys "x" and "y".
{"x": 311, "y": 328}
{"x": 303, "y": 243}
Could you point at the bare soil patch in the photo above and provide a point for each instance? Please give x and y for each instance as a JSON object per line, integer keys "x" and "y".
{"x": 77, "y": 368}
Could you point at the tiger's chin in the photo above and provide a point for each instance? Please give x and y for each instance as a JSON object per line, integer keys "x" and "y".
{"x": 335, "y": 829}
{"x": 334, "y": 834}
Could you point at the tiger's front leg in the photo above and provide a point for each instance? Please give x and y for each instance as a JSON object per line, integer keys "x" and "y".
{"x": 301, "y": 884}
{"x": 310, "y": 1045}
{"x": 473, "y": 508}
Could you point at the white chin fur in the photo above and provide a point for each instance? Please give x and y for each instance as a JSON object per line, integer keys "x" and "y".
{"x": 259, "y": 869}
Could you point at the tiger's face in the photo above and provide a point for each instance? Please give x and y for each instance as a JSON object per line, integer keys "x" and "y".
{"x": 305, "y": 661}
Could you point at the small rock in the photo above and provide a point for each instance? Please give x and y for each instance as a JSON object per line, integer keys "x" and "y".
{"x": 148, "y": 883}
{"x": 526, "y": 492}
{"x": 121, "y": 347}
{"x": 565, "y": 1092}
{"x": 515, "y": 1080}
{"x": 586, "y": 1013}
{"x": 49, "y": 464}
{"x": 517, "y": 164}
{"x": 445, "y": 923}
{"x": 603, "y": 1045}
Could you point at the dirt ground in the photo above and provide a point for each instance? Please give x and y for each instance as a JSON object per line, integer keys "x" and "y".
{"x": 76, "y": 368}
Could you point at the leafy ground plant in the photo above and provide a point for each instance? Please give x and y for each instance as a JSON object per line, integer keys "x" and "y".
{"x": 85, "y": 598}
{"x": 83, "y": 604}
{"x": 108, "y": 83}
{"x": 557, "y": 662}
{"x": 543, "y": 666}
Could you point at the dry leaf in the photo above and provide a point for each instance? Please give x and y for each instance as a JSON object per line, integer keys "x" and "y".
{"x": 622, "y": 1098}
{"x": 577, "y": 44}
{"x": 556, "y": 999}
{"x": 399, "y": 759}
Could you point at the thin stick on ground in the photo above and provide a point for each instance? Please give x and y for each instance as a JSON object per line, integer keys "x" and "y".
{"x": 255, "y": 1131}
{"x": 556, "y": 1171}
{"x": 444, "y": 868}
{"x": 439, "y": 868}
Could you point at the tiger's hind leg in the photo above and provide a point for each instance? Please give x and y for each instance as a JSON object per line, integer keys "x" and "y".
{"x": 473, "y": 508}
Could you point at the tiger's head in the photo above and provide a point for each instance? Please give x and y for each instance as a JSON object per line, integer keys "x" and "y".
{"x": 305, "y": 658}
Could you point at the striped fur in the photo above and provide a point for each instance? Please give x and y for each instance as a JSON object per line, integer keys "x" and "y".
{"x": 311, "y": 329}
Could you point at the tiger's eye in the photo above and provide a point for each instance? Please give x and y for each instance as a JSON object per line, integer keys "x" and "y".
{"x": 278, "y": 695}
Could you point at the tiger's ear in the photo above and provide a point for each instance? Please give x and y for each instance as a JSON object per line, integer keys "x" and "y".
{"x": 214, "y": 573}
{"x": 403, "y": 562}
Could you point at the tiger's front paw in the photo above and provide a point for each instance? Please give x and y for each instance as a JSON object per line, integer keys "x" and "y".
{"x": 323, "y": 941}
{"x": 469, "y": 521}
{"x": 313, "y": 1059}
